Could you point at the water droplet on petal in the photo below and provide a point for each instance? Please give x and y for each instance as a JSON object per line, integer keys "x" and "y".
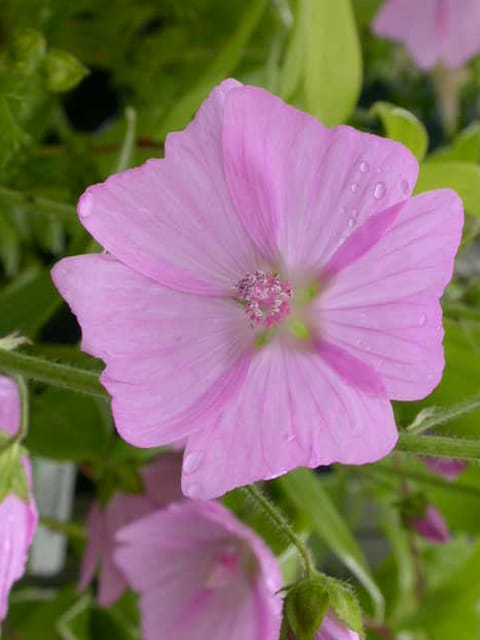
{"x": 364, "y": 166}
{"x": 422, "y": 320}
{"x": 85, "y": 207}
{"x": 192, "y": 490}
{"x": 192, "y": 461}
{"x": 404, "y": 186}
{"x": 379, "y": 190}
{"x": 351, "y": 222}
{"x": 354, "y": 187}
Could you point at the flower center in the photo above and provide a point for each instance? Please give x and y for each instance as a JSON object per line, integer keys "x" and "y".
{"x": 265, "y": 297}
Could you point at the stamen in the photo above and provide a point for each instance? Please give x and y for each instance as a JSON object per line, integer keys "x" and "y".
{"x": 265, "y": 297}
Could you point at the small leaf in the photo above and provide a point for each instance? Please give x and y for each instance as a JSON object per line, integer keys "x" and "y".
{"x": 63, "y": 70}
{"x": 27, "y": 50}
{"x": 333, "y": 63}
{"x": 465, "y": 147}
{"x": 403, "y": 126}
{"x": 12, "y": 474}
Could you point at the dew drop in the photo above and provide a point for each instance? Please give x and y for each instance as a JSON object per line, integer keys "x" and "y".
{"x": 192, "y": 490}
{"x": 289, "y": 436}
{"x": 404, "y": 186}
{"x": 422, "y": 320}
{"x": 351, "y": 222}
{"x": 379, "y": 190}
{"x": 354, "y": 187}
{"x": 364, "y": 166}
{"x": 85, "y": 207}
{"x": 192, "y": 461}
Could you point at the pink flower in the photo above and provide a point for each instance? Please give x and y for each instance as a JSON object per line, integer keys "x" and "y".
{"x": 201, "y": 574}
{"x": 269, "y": 287}
{"x": 433, "y": 31}
{"x": 332, "y": 629}
{"x": 162, "y": 485}
{"x": 18, "y": 519}
{"x": 431, "y": 526}
{"x": 446, "y": 467}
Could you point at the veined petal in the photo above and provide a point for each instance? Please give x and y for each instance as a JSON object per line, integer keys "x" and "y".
{"x": 171, "y": 357}
{"x": 292, "y": 410}
{"x": 384, "y": 307}
{"x": 173, "y": 220}
{"x": 301, "y": 189}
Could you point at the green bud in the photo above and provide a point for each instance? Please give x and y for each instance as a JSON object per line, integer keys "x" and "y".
{"x": 345, "y": 605}
{"x": 305, "y": 606}
{"x": 28, "y": 50}
{"x": 64, "y": 71}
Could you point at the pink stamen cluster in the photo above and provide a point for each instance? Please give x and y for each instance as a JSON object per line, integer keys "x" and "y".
{"x": 266, "y": 298}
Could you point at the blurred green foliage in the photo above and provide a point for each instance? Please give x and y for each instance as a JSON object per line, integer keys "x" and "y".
{"x": 88, "y": 87}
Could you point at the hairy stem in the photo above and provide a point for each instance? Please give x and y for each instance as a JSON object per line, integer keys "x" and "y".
{"x": 282, "y": 524}
{"x": 442, "y": 446}
{"x": 52, "y": 373}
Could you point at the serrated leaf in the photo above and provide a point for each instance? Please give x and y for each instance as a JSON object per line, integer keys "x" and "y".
{"x": 403, "y": 126}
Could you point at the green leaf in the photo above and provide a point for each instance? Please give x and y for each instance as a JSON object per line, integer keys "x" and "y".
{"x": 463, "y": 177}
{"x": 305, "y": 491}
{"x": 333, "y": 64}
{"x": 63, "y": 70}
{"x": 12, "y": 136}
{"x": 28, "y": 49}
{"x": 451, "y": 610}
{"x": 28, "y": 303}
{"x": 12, "y": 474}
{"x": 401, "y": 125}
{"x": 305, "y": 606}
{"x": 66, "y": 426}
{"x": 465, "y": 147}
{"x": 223, "y": 64}
{"x": 436, "y": 416}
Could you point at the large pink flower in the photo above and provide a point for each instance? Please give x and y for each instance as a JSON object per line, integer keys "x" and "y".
{"x": 18, "y": 519}
{"x": 201, "y": 574}
{"x": 162, "y": 486}
{"x": 433, "y": 31}
{"x": 269, "y": 287}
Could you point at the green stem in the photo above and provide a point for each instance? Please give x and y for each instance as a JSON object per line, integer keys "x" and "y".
{"x": 437, "y": 416}
{"x": 441, "y": 446}
{"x": 284, "y": 527}
{"x": 421, "y": 477}
{"x": 60, "y": 210}
{"x": 53, "y": 373}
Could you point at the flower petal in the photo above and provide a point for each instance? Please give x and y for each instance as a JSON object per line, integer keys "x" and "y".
{"x": 300, "y": 188}
{"x": 415, "y": 25}
{"x": 171, "y": 357}
{"x": 168, "y": 556}
{"x": 384, "y": 307}
{"x": 18, "y": 522}
{"x": 292, "y": 410}
{"x": 173, "y": 220}
{"x": 95, "y": 527}
{"x": 9, "y": 405}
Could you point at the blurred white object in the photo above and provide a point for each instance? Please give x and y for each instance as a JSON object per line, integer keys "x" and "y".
{"x": 53, "y": 487}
